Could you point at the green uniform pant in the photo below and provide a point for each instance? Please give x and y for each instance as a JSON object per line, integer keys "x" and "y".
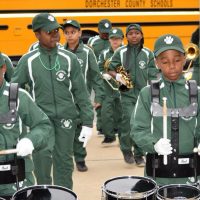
{"x": 64, "y": 132}
{"x": 99, "y": 120}
{"x": 112, "y": 115}
{"x": 79, "y": 151}
{"x": 43, "y": 161}
{"x": 63, "y": 154}
{"x": 126, "y": 143}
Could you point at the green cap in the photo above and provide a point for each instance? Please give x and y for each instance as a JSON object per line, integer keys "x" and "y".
{"x": 116, "y": 32}
{"x": 167, "y": 42}
{"x": 133, "y": 26}
{"x": 2, "y": 61}
{"x": 104, "y": 26}
{"x": 45, "y": 21}
{"x": 72, "y": 23}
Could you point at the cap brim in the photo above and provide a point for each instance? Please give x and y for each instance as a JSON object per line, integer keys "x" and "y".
{"x": 51, "y": 27}
{"x": 104, "y": 30}
{"x": 168, "y": 48}
{"x": 115, "y": 36}
{"x": 68, "y": 24}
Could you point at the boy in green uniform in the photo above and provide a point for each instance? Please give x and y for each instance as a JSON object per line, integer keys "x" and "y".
{"x": 57, "y": 85}
{"x": 111, "y": 108}
{"x": 98, "y": 44}
{"x": 138, "y": 61}
{"x": 11, "y": 135}
{"x": 92, "y": 78}
{"x": 175, "y": 136}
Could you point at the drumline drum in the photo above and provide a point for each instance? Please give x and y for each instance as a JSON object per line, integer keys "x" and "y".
{"x": 178, "y": 192}
{"x": 45, "y": 192}
{"x": 129, "y": 187}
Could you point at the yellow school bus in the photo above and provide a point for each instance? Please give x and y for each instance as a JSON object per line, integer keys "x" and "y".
{"x": 155, "y": 16}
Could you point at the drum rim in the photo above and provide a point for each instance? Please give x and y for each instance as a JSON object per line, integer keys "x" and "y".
{"x": 45, "y": 187}
{"x": 177, "y": 185}
{"x": 132, "y": 195}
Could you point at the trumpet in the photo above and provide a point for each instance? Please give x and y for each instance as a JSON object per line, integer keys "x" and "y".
{"x": 192, "y": 52}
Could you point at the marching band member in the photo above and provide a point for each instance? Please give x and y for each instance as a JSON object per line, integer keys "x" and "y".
{"x": 183, "y": 120}
{"x": 138, "y": 61}
{"x": 111, "y": 108}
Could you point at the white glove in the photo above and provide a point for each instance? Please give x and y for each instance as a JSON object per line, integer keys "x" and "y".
{"x": 107, "y": 77}
{"x": 163, "y": 147}
{"x": 119, "y": 78}
{"x": 197, "y": 150}
{"x": 24, "y": 147}
{"x": 85, "y": 135}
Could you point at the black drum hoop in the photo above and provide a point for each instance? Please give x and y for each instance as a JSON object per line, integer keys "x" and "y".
{"x": 44, "y": 187}
{"x": 159, "y": 197}
{"x": 134, "y": 195}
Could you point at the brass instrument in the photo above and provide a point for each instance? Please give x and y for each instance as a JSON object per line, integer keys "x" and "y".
{"x": 126, "y": 77}
{"x": 107, "y": 62}
{"x": 192, "y": 52}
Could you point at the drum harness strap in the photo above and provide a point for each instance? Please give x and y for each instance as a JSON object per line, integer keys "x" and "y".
{"x": 179, "y": 166}
{"x": 11, "y": 171}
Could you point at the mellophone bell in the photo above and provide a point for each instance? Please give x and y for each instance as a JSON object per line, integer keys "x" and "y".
{"x": 192, "y": 53}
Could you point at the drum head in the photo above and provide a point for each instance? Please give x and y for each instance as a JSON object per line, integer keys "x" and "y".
{"x": 178, "y": 192}
{"x": 44, "y": 192}
{"x": 130, "y": 187}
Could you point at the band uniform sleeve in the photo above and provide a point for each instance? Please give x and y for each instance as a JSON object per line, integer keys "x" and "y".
{"x": 9, "y": 68}
{"x": 81, "y": 94}
{"x": 153, "y": 71}
{"x": 20, "y": 74}
{"x": 115, "y": 61}
{"x": 101, "y": 62}
{"x": 97, "y": 80}
{"x": 33, "y": 117}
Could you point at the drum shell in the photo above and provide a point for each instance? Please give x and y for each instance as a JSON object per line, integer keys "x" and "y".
{"x": 178, "y": 191}
{"x": 55, "y": 192}
{"x": 146, "y": 188}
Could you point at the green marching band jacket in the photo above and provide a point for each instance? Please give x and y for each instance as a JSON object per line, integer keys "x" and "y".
{"x": 60, "y": 71}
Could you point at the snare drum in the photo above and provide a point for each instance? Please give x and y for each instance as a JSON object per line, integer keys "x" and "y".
{"x": 129, "y": 187}
{"x": 44, "y": 192}
{"x": 181, "y": 192}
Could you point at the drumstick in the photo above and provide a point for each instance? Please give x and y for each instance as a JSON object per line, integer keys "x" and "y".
{"x": 8, "y": 151}
{"x": 165, "y": 125}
